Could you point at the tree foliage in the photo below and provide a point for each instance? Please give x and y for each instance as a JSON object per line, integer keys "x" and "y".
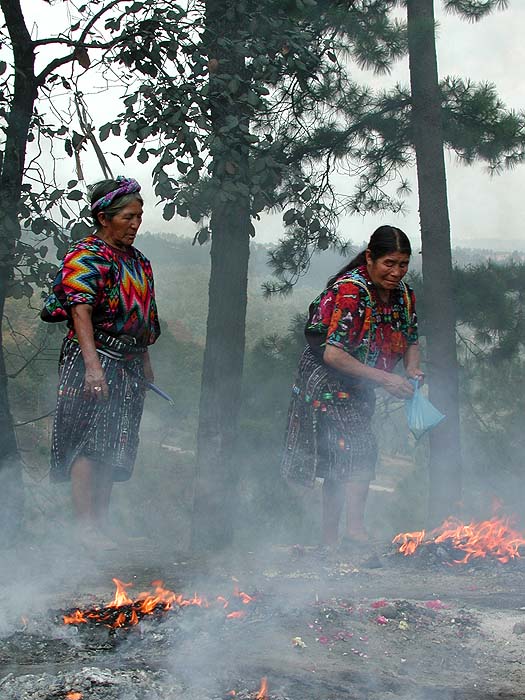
{"x": 40, "y": 103}
{"x": 294, "y": 85}
{"x": 495, "y": 329}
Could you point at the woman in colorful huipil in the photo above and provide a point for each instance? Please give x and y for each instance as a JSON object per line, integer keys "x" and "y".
{"x": 104, "y": 290}
{"x": 358, "y": 329}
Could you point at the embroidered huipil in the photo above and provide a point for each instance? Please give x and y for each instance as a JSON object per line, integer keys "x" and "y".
{"x": 117, "y": 284}
{"x": 350, "y": 316}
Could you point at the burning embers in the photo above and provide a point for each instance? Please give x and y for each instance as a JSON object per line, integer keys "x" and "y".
{"x": 262, "y": 694}
{"x": 123, "y": 611}
{"x": 488, "y": 539}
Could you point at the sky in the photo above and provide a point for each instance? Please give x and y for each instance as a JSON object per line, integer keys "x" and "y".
{"x": 485, "y": 211}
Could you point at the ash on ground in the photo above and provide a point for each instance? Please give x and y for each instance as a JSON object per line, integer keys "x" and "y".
{"x": 91, "y": 684}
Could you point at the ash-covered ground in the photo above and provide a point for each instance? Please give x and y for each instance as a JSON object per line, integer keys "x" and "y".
{"x": 322, "y": 626}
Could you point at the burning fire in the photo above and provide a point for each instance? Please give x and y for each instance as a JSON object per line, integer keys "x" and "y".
{"x": 262, "y": 693}
{"x": 494, "y": 538}
{"x": 263, "y": 690}
{"x": 123, "y": 611}
{"x": 74, "y": 695}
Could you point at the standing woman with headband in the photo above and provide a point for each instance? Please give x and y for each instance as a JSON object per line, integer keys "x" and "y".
{"x": 357, "y": 330}
{"x": 104, "y": 290}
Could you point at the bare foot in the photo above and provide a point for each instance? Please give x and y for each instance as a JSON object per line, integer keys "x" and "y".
{"x": 94, "y": 540}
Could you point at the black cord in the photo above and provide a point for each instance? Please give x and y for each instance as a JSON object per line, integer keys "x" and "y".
{"x": 34, "y": 420}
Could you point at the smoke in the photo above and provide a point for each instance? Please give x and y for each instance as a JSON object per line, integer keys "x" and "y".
{"x": 303, "y": 591}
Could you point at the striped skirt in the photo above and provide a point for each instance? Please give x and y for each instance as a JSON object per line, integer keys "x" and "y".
{"x": 105, "y": 431}
{"x": 329, "y": 431}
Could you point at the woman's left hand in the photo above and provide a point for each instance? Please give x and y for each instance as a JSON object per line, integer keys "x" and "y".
{"x": 416, "y": 373}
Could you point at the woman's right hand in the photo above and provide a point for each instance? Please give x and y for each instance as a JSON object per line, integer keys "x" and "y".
{"x": 95, "y": 385}
{"x": 398, "y": 386}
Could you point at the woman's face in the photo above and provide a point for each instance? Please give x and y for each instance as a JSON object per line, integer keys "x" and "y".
{"x": 120, "y": 230}
{"x": 388, "y": 271}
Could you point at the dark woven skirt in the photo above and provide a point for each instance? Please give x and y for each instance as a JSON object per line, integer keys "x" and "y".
{"x": 105, "y": 431}
{"x": 329, "y": 431}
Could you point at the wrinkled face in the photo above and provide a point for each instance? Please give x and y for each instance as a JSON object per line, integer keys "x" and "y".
{"x": 388, "y": 271}
{"x": 120, "y": 230}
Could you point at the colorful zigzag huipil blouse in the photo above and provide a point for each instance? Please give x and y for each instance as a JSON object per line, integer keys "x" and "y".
{"x": 117, "y": 284}
{"x": 350, "y": 315}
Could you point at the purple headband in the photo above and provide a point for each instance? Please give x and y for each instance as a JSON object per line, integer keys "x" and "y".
{"x": 125, "y": 186}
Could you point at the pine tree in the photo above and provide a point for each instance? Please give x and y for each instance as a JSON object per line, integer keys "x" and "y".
{"x": 445, "y": 466}
{"x": 264, "y": 111}
{"x": 462, "y": 116}
{"x": 261, "y": 77}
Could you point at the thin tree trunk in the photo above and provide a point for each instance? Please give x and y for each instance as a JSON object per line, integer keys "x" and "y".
{"x": 445, "y": 448}
{"x": 217, "y": 471}
{"x": 11, "y": 174}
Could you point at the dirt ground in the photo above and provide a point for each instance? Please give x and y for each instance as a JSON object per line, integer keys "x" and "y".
{"x": 323, "y": 625}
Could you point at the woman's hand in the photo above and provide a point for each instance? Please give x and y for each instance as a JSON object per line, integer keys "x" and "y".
{"x": 398, "y": 386}
{"x": 95, "y": 385}
{"x": 415, "y": 373}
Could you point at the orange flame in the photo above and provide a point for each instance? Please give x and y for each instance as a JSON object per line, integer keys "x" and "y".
{"x": 263, "y": 690}
{"x": 121, "y": 597}
{"x": 409, "y": 541}
{"x": 74, "y": 695}
{"x": 236, "y": 615}
{"x": 129, "y": 612}
{"x": 494, "y": 538}
{"x": 75, "y": 619}
{"x": 245, "y": 598}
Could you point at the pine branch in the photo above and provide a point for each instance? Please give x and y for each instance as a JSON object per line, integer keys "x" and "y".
{"x": 474, "y": 10}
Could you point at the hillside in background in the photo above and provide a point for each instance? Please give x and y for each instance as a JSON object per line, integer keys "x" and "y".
{"x": 182, "y": 271}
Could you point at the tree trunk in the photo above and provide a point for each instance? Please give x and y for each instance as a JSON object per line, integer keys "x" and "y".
{"x": 11, "y": 488}
{"x": 445, "y": 448}
{"x": 11, "y": 174}
{"x": 217, "y": 471}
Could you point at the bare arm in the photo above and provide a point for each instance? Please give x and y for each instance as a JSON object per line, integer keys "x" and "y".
{"x": 411, "y": 361}
{"x": 148, "y": 370}
{"x": 346, "y": 364}
{"x": 81, "y": 314}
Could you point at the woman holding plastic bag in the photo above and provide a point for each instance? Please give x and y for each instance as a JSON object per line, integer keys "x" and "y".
{"x": 358, "y": 329}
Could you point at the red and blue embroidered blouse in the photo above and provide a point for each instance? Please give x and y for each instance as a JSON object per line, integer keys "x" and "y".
{"x": 350, "y": 315}
{"x": 117, "y": 284}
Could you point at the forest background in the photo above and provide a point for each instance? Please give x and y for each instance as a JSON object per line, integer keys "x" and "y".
{"x": 219, "y": 157}
{"x": 157, "y": 502}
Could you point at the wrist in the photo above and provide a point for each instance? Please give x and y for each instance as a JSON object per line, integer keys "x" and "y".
{"x": 381, "y": 377}
{"x": 92, "y": 363}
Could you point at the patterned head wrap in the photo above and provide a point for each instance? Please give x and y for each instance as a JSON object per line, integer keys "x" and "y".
{"x": 125, "y": 186}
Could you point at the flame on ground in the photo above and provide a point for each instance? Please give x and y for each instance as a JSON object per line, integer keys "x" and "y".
{"x": 494, "y": 538}
{"x": 123, "y": 611}
{"x": 263, "y": 690}
{"x": 74, "y": 695}
{"x": 236, "y": 615}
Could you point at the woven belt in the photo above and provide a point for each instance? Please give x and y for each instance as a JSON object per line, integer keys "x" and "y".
{"x": 125, "y": 344}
